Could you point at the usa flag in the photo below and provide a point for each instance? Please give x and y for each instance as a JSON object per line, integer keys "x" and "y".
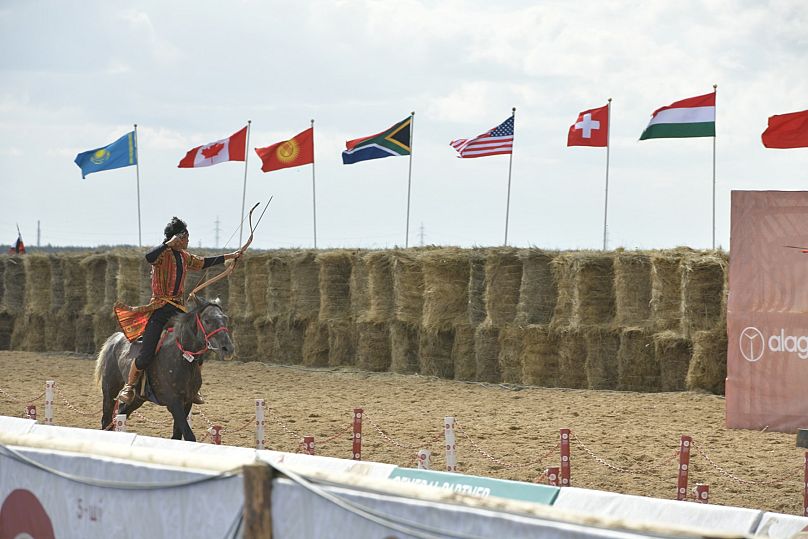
{"x": 497, "y": 141}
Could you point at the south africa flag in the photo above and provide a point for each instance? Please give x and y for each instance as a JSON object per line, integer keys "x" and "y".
{"x": 388, "y": 143}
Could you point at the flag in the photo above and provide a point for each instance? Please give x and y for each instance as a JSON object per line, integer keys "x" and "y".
{"x": 590, "y": 129}
{"x": 233, "y": 148}
{"x": 787, "y": 131}
{"x": 498, "y": 140}
{"x": 121, "y": 153}
{"x": 388, "y": 143}
{"x": 298, "y": 150}
{"x": 692, "y": 117}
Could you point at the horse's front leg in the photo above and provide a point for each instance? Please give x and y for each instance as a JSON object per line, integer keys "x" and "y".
{"x": 181, "y": 427}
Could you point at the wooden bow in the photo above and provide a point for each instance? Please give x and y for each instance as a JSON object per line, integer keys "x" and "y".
{"x": 232, "y": 267}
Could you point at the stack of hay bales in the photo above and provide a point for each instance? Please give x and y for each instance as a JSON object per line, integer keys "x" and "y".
{"x": 272, "y": 328}
{"x": 74, "y": 325}
{"x": 6, "y": 318}
{"x": 53, "y": 329}
{"x": 13, "y": 305}
{"x": 29, "y": 331}
{"x": 538, "y": 292}
{"x": 335, "y": 306}
{"x": 305, "y": 309}
{"x": 503, "y": 279}
{"x": 408, "y": 300}
{"x": 96, "y": 322}
{"x": 256, "y": 284}
{"x": 373, "y": 344}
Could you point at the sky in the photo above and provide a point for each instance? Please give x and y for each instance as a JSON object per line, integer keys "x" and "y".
{"x": 77, "y": 76}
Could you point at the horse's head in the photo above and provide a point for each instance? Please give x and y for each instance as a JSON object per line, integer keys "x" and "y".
{"x": 211, "y": 325}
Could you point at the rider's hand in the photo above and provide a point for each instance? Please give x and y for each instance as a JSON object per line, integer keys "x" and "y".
{"x": 174, "y": 241}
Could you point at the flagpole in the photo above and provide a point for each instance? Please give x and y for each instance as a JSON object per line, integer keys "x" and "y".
{"x": 244, "y": 190}
{"x": 715, "y": 91}
{"x": 409, "y": 181}
{"x": 510, "y": 166}
{"x": 608, "y": 145}
{"x": 137, "y": 172}
{"x": 313, "y": 188}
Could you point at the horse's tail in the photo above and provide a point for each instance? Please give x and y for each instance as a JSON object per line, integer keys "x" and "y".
{"x": 103, "y": 357}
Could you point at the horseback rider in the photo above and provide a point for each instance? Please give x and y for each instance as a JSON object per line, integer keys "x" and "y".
{"x": 170, "y": 263}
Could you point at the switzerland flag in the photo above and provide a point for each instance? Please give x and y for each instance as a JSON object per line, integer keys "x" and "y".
{"x": 298, "y": 150}
{"x": 590, "y": 129}
{"x": 233, "y": 148}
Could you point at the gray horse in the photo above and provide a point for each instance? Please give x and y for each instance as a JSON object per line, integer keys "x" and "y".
{"x": 175, "y": 375}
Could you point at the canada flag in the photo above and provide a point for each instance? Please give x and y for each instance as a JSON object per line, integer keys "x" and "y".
{"x": 590, "y": 129}
{"x": 233, "y": 148}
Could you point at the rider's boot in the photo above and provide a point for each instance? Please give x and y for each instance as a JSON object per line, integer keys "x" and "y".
{"x": 198, "y": 399}
{"x": 127, "y": 394}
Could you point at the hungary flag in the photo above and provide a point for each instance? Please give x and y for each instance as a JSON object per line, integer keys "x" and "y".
{"x": 692, "y": 117}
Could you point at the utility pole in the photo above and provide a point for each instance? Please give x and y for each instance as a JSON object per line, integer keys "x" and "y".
{"x": 421, "y": 233}
{"x": 216, "y": 231}
{"x": 38, "y": 233}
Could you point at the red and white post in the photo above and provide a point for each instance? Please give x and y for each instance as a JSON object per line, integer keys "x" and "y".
{"x": 702, "y": 493}
{"x": 552, "y": 475}
{"x": 120, "y": 423}
{"x": 424, "y": 459}
{"x": 49, "y": 390}
{"x": 260, "y": 408}
{"x": 356, "y": 452}
{"x": 451, "y": 443}
{"x": 30, "y": 411}
{"x": 216, "y": 434}
{"x": 565, "y": 457}
{"x": 684, "y": 467}
{"x": 308, "y": 445}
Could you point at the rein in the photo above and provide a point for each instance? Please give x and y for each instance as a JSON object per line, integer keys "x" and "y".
{"x": 188, "y": 354}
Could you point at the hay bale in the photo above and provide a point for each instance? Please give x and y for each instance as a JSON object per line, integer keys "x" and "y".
{"x": 563, "y": 271}
{"x": 571, "y": 358}
{"x": 315, "y": 344}
{"x": 341, "y": 343}
{"x": 476, "y": 289}
{"x": 288, "y": 344}
{"x": 279, "y": 289}
{"x": 75, "y": 297}
{"x": 236, "y": 290}
{"x": 57, "y": 293}
{"x": 373, "y": 347}
{"x": 702, "y": 292}
{"x": 85, "y": 334}
{"x": 104, "y": 325}
{"x": 666, "y": 290}
{"x": 335, "y": 285}
{"x": 511, "y": 342}
{"x": 110, "y": 284}
{"x": 503, "y": 278}
{"x": 14, "y": 286}
{"x": 672, "y": 352}
{"x": 446, "y": 283}
{"x": 95, "y": 271}
{"x": 486, "y": 353}
{"x": 29, "y": 333}
{"x": 594, "y": 289}
{"x": 360, "y": 299}
{"x": 242, "y": 331}
{"x": 463, "y": 359}
{"x": 408, "y": 288}
{"x": 602, "y": 349}
{"x": 3, "y": 260}
{"x": 37, "y": 298}
{"x": 435, "y": 351}
{"x": 708, "y": 368}
{"x": 305, "y": 294}
{"x": 404, "y": 342}
{"x": 540, "y": 357}
{"x": 380, "y": 288}
{"x": 129, "y": 279}
{"x": 264, "y": 338}
{"x": 6, "y": 329}
{"x": 638, "y": 368}
{"x": 538, "y": 291}
{"x": 256, "y": 284}
{"x": 632, "y": 289}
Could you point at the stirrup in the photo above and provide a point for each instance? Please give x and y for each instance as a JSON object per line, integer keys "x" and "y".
{"x": 127, "y": 394}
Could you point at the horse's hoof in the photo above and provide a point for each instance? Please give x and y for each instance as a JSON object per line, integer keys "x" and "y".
{"x": 198, "y": 399}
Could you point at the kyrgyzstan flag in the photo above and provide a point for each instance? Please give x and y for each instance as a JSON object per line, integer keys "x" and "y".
{"x": 233, "y": 148}
{"x": 590, "y": 129}
{"x": 298, "y": 150}
{"x": 787, "y": 131}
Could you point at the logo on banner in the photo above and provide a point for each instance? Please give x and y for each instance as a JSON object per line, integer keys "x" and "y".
{"x": 22, "y": 515}
{"x": 753, "y": 344}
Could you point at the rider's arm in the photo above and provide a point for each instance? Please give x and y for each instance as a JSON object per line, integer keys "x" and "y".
{"x": 213, "y": 261}
{"x": 154, "y": 254}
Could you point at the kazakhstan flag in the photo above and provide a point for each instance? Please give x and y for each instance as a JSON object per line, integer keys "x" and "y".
{"x": 121, "y": 153}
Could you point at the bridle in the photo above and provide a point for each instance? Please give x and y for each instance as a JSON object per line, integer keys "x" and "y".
{"x": 189, "y": 355}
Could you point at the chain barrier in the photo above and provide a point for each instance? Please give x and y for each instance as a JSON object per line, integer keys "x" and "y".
{"x": 541, "y": 478}
{"x": 70, "y": 406}
{"x": 150, "y": 421}
{"x": 9, "y": 398}
{"x": 203, "y": 416}
{"x": 650, "y": 469}
{"x": 249, "y": 422}
{"x": 501, "y": 462}
{"x": 283, "y": 426}
{"x": 401, "y": 444}
{"x": 339, "y": 432}
{"x": 721, "y": 470}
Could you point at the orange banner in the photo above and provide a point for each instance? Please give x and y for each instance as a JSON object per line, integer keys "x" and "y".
{"x": 767, "y": 311}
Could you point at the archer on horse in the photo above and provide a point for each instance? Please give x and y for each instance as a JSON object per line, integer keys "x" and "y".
{"x": 170, "y": 263}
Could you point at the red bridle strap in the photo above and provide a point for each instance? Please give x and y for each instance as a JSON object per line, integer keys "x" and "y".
{"x": 207, "y": 339}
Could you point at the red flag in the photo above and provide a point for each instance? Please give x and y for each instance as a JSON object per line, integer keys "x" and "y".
{"x": 232, "y": 148}
{"x": 298, "y": 150}
{"x": 787, "y": 131}
{"x": 590, "y": 129}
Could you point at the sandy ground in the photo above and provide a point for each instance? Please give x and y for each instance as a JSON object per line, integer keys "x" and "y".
{"x": 622, "y": 442}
